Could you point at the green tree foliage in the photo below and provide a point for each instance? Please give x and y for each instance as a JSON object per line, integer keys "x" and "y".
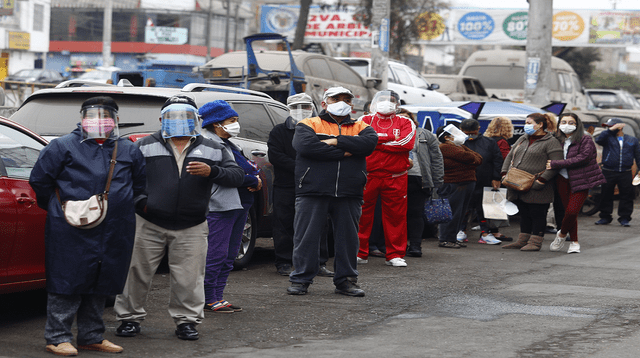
{"x": 580, "y": 58}
{"x": 600, "y": 79}
{"x": 404, "y": 27}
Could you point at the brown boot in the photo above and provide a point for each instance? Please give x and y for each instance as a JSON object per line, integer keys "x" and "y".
{"x": 534, "y": 244}
{"x": 522, "y": 241}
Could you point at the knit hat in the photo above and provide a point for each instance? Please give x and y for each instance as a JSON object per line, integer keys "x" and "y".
{"x": 216, "y": 111}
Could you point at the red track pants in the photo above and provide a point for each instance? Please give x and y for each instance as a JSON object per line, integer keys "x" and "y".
{"x": 393, "y": 193}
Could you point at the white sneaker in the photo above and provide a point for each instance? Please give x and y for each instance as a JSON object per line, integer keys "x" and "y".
{"x": 490, "y": 239}
{"x": 397, "y": 262}
{"x": 362, "y": 261}
{"x": 476, "y": 228}
{"x": 574, "y": 247}
{"x": 461, "y": 236}
{"x": 558, "y": 243}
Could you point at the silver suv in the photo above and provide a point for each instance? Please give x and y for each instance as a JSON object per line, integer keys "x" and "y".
{"x": 55, "y": 112}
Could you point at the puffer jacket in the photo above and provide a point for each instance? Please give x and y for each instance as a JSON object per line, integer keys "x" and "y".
{"x": 582, "y": 166}
{"x": 612, "y": 158}
{"x": 323, "y": 169}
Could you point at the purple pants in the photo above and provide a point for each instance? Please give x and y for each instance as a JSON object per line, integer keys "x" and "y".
{"x": 225, "y": 237}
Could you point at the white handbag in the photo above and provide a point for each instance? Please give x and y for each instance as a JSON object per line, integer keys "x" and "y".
{"x": 87, "y": 214}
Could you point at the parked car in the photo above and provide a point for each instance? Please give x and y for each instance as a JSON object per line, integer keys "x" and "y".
{"x": 402, "y": 79}
{"x": 459, "y": 88}
{"x": 37, "y": 75}
{"x": 502, "y": 72}
{"x": 54, "y": 112}
{"x": 22, "y": 222}
{"x": 608, "y": 99}
{"x": 100, "y": 74}
{"x": 320, "y": 73}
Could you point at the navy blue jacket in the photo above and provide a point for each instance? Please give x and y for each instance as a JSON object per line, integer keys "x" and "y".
{"x": 177, "y": 201}
{"x": 491, "y": 160}
{"x": 88, "y": 261}
{"x": 612, "y": 158}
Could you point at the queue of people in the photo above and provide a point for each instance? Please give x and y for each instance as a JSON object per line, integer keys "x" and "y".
{"x": 187, "y": 189}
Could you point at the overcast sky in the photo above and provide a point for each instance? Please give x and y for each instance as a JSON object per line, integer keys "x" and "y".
{"x": 557, "y": 4}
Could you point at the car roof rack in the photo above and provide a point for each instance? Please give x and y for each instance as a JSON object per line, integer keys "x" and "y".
{"x": 199, "y": 87}
{"x": 81, "y": 83}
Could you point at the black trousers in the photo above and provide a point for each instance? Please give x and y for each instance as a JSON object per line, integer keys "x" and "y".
{"x": 625, "y": 186}
{"x": 533, "y": 217}
{"x": 416, "y": 197}
{"x": 284, "y": 201}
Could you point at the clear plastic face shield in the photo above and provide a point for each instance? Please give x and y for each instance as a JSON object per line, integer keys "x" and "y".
{"x": 180, "y": 120}
{"x": 301, "y": 110}
{"x": 99, "y": 122}
{"x": 458, "y": 136}
{"x": 385, "y": 103}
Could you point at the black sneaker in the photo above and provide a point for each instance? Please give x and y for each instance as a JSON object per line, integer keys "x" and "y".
{"x": 285, "y": 270}
{"x": 449, "y": 245}
{"x": 128, "y": 329}
{"x": 349, "y": 288}
{"x": 325, "y": 272}
{"x": 413, "y": 252}
{"x": 297, "y": 288}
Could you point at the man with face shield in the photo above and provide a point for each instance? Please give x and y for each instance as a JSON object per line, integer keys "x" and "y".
{"x": 182, "y": 167}
{"x": 331, "y": 151}
{"x": 387, "y": 178}
{"x": 81, "y": 273}
{"x": 282, "y": 156}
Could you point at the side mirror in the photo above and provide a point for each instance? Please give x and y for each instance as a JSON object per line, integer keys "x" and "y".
{"x": 372, "y": 82}
{"x": 434, "y": 86}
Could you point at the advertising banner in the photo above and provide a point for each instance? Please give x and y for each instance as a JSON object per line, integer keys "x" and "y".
{"x": 166, "y": 35}
{"x": 325, "y": 24}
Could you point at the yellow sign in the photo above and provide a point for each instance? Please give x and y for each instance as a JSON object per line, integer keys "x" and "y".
{"x": 567, "y": 26}
{"x": 19, "y": 40}
{"x": 430, "y": 25}
{"x": 6, "y": 7}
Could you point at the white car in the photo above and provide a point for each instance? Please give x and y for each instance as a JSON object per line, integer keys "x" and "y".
{"x": 412, "y": 88}
{"x": 100, "y": 74}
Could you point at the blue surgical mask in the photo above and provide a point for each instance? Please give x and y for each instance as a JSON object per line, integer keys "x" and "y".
{"x": 528, "y": 128}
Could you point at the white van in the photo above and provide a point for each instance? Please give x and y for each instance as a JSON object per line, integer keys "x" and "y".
{"x": 502, "y": 73}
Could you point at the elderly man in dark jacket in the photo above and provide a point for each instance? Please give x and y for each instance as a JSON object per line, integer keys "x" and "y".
{"x": 330, "y": 177}
{"x": 85, "y": 266}
{"x": 487, "y": 174}
{"x": 282, "y": 156}
{"x": 619, "y": 150}
{"x": 182, "y": 167}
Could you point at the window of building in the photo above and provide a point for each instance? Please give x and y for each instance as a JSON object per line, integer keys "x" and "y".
{"x": 38, "y": 17}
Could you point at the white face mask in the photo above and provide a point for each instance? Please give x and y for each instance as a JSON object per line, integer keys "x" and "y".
{"x": 567, "y": 128}
{"x": 339, "y": 109}
{"x": 299, "y": 114}
{"x": 233, "y": 129}
{"x": 386, "y": 107}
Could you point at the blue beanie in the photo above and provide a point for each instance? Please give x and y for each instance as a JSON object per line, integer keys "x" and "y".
{"x": 216, "y": 111}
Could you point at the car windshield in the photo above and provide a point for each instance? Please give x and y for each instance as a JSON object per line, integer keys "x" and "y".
{"x": 27, "y": 73}
{"x": 96, "y": 75}
{"x": 608, "y": 100}
{"x": 502, "y": 77}
{"x": 360, "y": 66}
{"x": 138, "y": 114}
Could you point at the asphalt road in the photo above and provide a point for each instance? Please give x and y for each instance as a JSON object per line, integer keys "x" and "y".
{"x": 479, "y": 301}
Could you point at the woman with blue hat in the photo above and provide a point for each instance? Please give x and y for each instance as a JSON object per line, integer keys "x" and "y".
{"x": 228, "y": 206}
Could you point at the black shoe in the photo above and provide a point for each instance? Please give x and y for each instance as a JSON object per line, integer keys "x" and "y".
{"x": 187, "y": 331}
{"x": 128, "y": 329}
{"x": 349, "y": 288}
{"x": 624, "y": 222}
{"x": 285, "y": 270}
{"x": 324, "y": 272}
{"x": 414, "y": 252}
{"x": 297, "y": 288}
{"x": 550, "y": 230}
{"x": 449, "y": 244}
{"x": 603, "y": 222}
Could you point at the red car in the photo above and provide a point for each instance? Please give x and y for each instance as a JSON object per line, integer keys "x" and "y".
{"x": 21, "y": 220}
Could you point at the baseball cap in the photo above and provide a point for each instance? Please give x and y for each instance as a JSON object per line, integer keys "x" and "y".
{"x": 300, "y": 98}
{"x": 180, "y": 99}
{"x": 612, "y": 122}
{"x": 334, "y": 91}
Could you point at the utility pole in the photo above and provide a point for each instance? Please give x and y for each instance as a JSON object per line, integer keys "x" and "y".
{"x": 380, "y": 45}
{"x": 226, "y": 27}
{"x": 301, "y": 26}
{"x": 208, "y": 33}
{"x": 538, "y": 71}
{"x": 106, "y": 33}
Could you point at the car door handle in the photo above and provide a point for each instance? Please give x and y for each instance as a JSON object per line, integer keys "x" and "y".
{"x": 26, "y": 200}
{"x": 258, "y": 153}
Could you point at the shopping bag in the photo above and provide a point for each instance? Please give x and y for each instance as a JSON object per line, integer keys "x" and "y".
{"x": 495, "y": 204}
{"x": 437, "y": 211}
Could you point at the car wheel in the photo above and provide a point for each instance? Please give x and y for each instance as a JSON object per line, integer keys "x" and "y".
{"x": 248, "y": 241}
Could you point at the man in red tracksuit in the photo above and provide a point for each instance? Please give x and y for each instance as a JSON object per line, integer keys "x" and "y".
{"x": 387, "y": 178}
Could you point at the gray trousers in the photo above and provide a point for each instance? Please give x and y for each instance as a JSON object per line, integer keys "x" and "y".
{"x": 310, "y": 220}
{"x": 61, "y": 310}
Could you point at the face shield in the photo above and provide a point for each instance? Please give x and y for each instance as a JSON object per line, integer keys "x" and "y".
{"x": 99, "y": 122}
{"x": 458, "y": 136}
{"x": 301, "y": 110}
{"x": 385, "y": 103}
{"x": 180, "y": 120}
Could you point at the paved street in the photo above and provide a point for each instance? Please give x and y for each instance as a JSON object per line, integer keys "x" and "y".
{"x": 480, "y": 301}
